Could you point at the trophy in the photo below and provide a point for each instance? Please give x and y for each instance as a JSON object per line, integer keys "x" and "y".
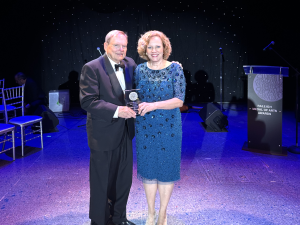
{"x": 132, "y": 99}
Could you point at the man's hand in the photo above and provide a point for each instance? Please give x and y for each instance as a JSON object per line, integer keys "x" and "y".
{"x": 125, "y": 112}
{"x": 26, "y": 108}
{"x": 178, "y": 63}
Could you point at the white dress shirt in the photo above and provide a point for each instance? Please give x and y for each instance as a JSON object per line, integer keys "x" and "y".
{"x": 121, "y": 79}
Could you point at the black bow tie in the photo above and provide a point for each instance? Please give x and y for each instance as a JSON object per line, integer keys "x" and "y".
{"x": 119, "y": 65}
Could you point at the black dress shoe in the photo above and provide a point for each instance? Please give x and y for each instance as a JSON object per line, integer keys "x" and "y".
{"x": 93, "y": 222}
{"x": 110, "y": 223}
{"x": 127, "y": 222}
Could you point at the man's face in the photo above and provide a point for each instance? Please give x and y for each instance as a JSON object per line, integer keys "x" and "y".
{"x": 19, "y": 81}
{"x": 117, "y": 48}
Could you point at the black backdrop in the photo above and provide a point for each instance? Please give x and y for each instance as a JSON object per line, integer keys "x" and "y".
{"x": 51, "y": 40}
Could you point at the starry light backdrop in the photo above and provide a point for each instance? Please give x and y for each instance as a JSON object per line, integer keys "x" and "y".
{"x": 48, "y": 40}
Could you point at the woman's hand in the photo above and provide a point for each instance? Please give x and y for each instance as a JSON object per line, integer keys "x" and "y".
{"x": 145, "y": 107}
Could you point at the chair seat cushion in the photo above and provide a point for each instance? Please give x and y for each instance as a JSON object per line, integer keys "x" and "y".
{"x": 23, "y": 120}
{"x": 8, "y": 108}
{"x": 6, "y": 128}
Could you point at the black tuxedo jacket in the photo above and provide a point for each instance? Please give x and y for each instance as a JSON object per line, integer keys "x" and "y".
{"x": 100, "y": 95}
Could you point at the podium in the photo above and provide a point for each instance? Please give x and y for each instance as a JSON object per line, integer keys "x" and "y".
{"x": 265, "y": 109}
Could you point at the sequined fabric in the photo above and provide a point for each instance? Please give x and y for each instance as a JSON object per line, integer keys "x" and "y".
{"x": 159, "y": 132}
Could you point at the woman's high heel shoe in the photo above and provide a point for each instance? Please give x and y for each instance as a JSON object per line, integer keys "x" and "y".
{"x": 165, "y": 222}
{"x": 151, "y": 221}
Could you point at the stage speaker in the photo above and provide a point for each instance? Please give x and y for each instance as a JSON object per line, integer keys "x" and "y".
{"x": 50, "y": 121}
{"x": 214, "y": 119}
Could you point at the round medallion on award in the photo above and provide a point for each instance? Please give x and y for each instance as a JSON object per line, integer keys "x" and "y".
{"x": 133, "y": 96}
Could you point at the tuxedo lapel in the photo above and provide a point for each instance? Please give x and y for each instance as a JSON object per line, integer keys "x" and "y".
{"x": 114, "y": 80}
{"x": 128, "y": 80}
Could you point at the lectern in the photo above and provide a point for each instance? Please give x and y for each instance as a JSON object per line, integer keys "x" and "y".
{"x": 265, "y": 109}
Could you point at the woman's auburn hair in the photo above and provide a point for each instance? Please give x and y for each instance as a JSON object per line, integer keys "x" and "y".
{"x": 145, "y": 39}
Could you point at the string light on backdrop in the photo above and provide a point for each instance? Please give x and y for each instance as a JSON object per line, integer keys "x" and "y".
{"x": 74, "y": 30}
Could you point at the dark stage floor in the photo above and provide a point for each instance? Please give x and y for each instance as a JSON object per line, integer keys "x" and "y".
{"x": 220, "y": 183}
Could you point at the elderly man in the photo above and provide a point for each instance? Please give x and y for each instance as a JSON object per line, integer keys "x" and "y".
{"x": 110, "y": 130}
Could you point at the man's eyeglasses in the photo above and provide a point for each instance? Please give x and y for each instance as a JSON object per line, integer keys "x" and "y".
{"x": 117, "y": 47}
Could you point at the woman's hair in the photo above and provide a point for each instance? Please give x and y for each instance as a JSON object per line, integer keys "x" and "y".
{"x": 144, "y": 41}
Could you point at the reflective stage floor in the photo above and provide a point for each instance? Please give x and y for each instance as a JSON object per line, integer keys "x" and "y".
{"x": 220, "y": 183}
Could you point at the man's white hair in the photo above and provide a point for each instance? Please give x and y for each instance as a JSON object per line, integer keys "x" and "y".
{"x": 113, "y": 33}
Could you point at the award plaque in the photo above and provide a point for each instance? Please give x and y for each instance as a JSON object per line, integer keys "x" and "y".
{"x": 132, "y": 99}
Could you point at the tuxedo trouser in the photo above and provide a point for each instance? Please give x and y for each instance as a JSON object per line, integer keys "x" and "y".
{"x": 110, "y": 178}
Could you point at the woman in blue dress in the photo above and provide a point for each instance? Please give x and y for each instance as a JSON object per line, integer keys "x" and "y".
{"x": 158, "y": 128}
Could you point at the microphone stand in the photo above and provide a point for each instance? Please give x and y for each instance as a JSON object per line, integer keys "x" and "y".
{"x": 221, "y": 79}
{"x": 99, "y": 51}
{"x": 294, "y": 148}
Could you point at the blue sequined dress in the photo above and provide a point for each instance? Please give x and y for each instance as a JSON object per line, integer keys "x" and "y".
{"x": 159, "y": 132}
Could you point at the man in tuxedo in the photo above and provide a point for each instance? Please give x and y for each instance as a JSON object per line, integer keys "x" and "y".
{"x": 110, "y": 130}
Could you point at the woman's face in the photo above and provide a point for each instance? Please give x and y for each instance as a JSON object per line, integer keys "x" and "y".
{"x": 155, "y": 49}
